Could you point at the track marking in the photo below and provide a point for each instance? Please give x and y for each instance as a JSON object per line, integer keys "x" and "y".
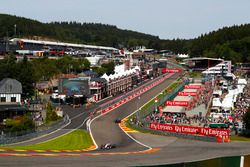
{"x": 77, "y": 154}
{"x": 124, "y": 128}
{"x": 95, "y": 146}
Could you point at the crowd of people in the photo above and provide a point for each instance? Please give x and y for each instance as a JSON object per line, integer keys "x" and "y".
{"x": 242, "y": 104}
{"x": 176, "y": 118}
{"x": 230, "y": 118}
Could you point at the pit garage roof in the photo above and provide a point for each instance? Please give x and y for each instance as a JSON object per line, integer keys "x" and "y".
{"x": 183, "y": 98}
{"x": 190, "y": 90}
{"x": 173, "y": 109}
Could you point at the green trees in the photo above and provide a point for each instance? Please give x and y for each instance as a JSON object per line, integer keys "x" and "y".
{"x": 232, "y": 43}
{"x": 21, "y": 71}
{"x": 25, "y": 76}
{"x": 44, "y": 69}
{"x": 68, "y": 64}
{"x": 88, "y": 33}
{"x": 110, "y": 67}
{"x": 51, "y": 114}
{"x": 107, "y": 68}
{"x": 19, "y": 123}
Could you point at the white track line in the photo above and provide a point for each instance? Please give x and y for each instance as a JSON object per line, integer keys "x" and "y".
{"x": 40, "y": 136}
{"x": 90, "y": 131}
{"x": 149, "y": 148}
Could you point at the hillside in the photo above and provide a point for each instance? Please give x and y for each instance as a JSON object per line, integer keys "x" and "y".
{"x": 88, "y": 33}
{"x": 231, "y": 43}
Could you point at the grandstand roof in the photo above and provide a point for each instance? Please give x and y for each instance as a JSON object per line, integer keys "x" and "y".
{"x": 203, "y": 58}
{"x": 190, "y": 90}
{"x": 62, "y": 44}
{"x": 173, "y": 109}
{"x": 120, "y": 72}
{"x": 183, "y": 98}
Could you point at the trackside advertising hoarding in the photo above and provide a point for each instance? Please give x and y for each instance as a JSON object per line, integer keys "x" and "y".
{"x": 192, "y": 86}
{"x": 176, "y": 103}
{"x": 187, "y": 93}
{"x": 165, "y": 70}
{"x": 190, "y": 130}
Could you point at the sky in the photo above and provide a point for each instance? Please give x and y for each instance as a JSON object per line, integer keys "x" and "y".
{"x": 168, "y": 19}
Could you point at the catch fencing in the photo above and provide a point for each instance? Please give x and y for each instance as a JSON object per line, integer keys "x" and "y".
{"x": 15, "y": 137}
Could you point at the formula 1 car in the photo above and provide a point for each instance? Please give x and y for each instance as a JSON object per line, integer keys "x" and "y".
{"x": 107, "y": 146}
{"x": 118, "y": 120}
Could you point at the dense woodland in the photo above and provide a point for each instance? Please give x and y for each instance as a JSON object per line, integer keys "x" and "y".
{"x": 231, "y": 43}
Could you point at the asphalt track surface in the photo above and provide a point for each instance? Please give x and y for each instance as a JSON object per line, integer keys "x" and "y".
{"x": 104, "y": 130}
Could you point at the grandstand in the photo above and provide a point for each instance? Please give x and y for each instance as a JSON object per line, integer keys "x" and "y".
{"x": 27, "y": 46}
{"x": 201, "y": 63}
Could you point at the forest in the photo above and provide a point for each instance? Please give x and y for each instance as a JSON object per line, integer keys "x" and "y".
{"x": 231, "y": 43}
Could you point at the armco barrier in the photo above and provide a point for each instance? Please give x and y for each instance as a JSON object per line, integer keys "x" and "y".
{"x": 144, "y": 127}
{"x": 5, "y": 139}
{"x": 216, "y": 162}
{"x": 169, "y": 96}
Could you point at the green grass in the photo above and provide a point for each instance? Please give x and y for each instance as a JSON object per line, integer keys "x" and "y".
{"x": 195, "y": 74}
{"x": 171, "y": 87}
{"x": 75, "y": 140}
{"x": 239, "y": 138}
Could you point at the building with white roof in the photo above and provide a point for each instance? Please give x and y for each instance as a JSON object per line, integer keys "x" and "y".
{"x": 122, "y": 80}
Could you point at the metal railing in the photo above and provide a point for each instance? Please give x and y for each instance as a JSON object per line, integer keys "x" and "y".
{"x": 123, "y": 96}
{"x": 165, "y": 96}
{"x": 14, "y": 137}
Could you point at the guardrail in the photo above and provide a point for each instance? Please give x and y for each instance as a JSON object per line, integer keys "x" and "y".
{"x": 145, "y": 111}
{"x": 124, "y": 96}
{"x": 8, "y": 138}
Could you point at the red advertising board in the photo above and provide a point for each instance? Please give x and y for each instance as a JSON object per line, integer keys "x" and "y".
{"x": 187, "y": 93}
{"x": 165, "y": 70}
{"x": 190, "y": 130}
{"x": 192, "y": 86}
{"x": 176, "y": 103}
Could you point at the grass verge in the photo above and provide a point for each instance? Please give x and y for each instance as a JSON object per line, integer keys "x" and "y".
{"x": 239, "y": 138}
{"x": 171, "y": 87}
{"x": 75, "y": 140}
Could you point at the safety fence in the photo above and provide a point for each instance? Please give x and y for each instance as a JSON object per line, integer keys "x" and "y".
{"x": 14, "y": 137}
{"x": 165, "y": 95}
{"x": 133, "y": 91}
{"x": 137, "y": 121}
{"x": 145, "y": 128}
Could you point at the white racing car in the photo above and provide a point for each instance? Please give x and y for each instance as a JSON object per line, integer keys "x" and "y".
{"x": 107, "y": 146}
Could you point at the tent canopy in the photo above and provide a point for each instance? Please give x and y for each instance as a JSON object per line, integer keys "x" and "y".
{"x": 216, "y": 102}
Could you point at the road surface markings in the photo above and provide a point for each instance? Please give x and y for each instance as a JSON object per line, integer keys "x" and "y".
{"x": 77, "y": 154}
{"x": 124, "y": 128}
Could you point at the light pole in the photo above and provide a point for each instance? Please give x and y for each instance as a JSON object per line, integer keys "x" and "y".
{"x": 156, "y": 101}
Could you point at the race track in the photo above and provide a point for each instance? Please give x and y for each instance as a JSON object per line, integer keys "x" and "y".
{"x": 105, "y": 130}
